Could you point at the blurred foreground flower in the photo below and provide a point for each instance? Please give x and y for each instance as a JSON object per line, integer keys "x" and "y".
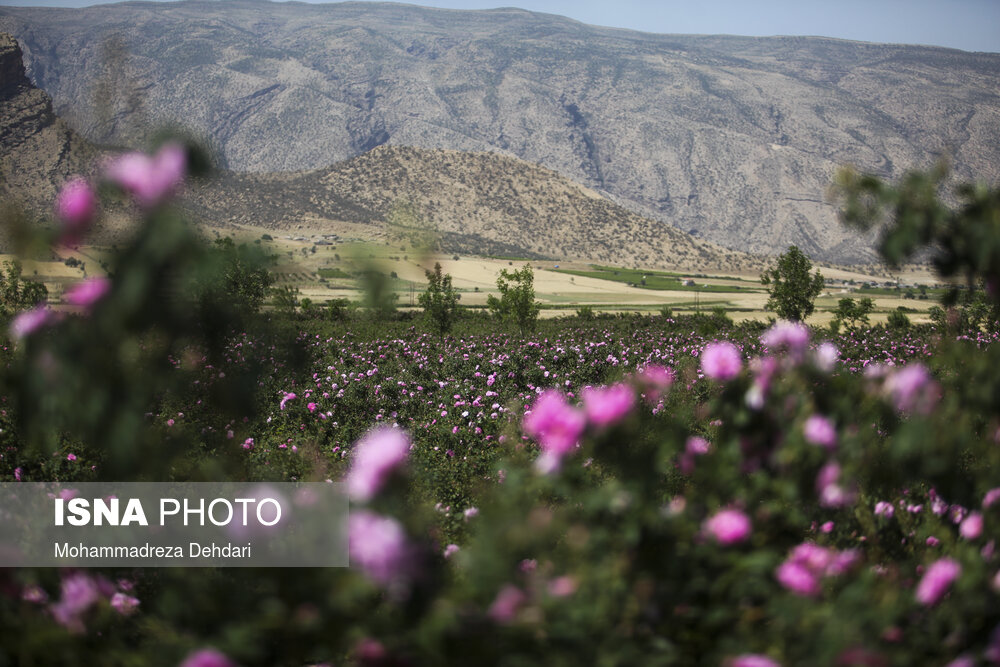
{"x": 819, "y": 430}
{"x": 556, "y": 426}
{"x": 605, "y": 406}
{"x": 937, "y": 580}
{"x": 150, "y": 180}
{"x": 29, "y": 321}
{"x": 729, "y": 527}
{"x": 87, "y": 292}
{"x": 721, "y": 361}
{"x": 808, "y": 564}
{"x": 789, "y": 337}
{"x": 79, "y": 593}
{"x": 377, "y": 544}
{"x": 76, "y": 209}
{"x": 376, "y": 455}
{"x": 207, "y": 657}
{"x": 753, "y": 660}
{"x": 913, "y": 389}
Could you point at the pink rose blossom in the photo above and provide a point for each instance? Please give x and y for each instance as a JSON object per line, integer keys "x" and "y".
{"x": 831, "y": 493}
{"x": 937, "y": 580}
{"x": 376, "y": 456}
{"x": 729, "y": 527}
{"x": 913, "y": 389}
{"x": 507, "y": 602}
{"x": 753, "y": 660}
{"x": 29, "y": 321}
{"x": 798, "y": 579}
{"x": 827, "y": 356}
{"x": 697, "y": 445}
{"x": 76, "y": 209}
{"x": 124, "y": 604}
{"x": 378, "y": 546}
{"x": 87, "y": 292}
{"x": 556, "y": 426}
{"x": 35, "y": 595}
{"x": 972, "y": 526}
{"x": 286, "y": 397}
{"x": 207, "y": 657}
{"x": 370, "y": 651}
{"x": 563, "y": 586}
{"x": 79, "y": 593}
{"x": 991, "y": 498}
{"x": 885, "y": 509}
{"x": 150, "y": 180}
{"x": 808, "y": 563}
{"x": 605, "y": 406}
{"x": 721, "y": 361}
{"x": 655, "y": 380}
{"x": 819, "y": 430}
{"x": 791, "y": 337}
{"x": 962, "y": 661}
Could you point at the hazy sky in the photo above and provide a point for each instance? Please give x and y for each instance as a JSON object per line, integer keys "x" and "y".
{"x": 973, "y": 25}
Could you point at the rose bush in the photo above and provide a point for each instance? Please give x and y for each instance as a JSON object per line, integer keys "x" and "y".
{"x": 626, "y": 491}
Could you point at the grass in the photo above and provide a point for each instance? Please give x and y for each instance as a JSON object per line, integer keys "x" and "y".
{"x": 651, "y": 280}
{"x": 335, "y": 272}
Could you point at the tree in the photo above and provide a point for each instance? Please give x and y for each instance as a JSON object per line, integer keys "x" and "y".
{"x": 791, "y": 290}
{"x": 516, "y": 304}
{"x": 244, "y": 280}
{"x": 960, "y": 231}
{"x": 898, "y": 320}
{"x": 440, "y": 301}
{"x": 285, "y": 299}
{"x": 338, "y": 310}
{"x": 853, "y": 313}
{"x": 379, "y": 296}
{"x": 17, "y": 293}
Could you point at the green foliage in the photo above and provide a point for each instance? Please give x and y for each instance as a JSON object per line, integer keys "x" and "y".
{"x": 853, "y": 313}
{"x": 963, "y": 240}
{"x": 338, "y": 310}
{"x": 938, "y": 316}
{"x": 285, "y": 299}
{"x": 791, "y": 290}
{"x": 379, "y": 297}
{"x": 18, "y": 293}
{"x": 335, "y": 272}
{"x": 440, "y": 300}
{"x": 585, "y": 313}
{"x": 898, "y": 320}
{"x": 516, "y": 304}
{"x": 235, "y": 277}
{"x": 608, "y": 559}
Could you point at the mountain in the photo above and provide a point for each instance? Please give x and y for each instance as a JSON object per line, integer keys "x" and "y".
{"x": 38, "y": 151}
{"x": 475, "y": 203}
{"x": 732, "y": 138}
{"x": 481, "y": 203}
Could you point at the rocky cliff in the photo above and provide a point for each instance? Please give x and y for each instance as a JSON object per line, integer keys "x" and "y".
{"x": 38, "y": 151}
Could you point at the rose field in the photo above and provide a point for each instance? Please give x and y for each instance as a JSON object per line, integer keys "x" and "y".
{"x": 612, "y": 490}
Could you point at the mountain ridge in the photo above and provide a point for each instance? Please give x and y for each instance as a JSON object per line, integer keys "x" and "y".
{"x": 733, "y": 138}
{"x": 458, "y": 202}
{"x": 473, "y": 203}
